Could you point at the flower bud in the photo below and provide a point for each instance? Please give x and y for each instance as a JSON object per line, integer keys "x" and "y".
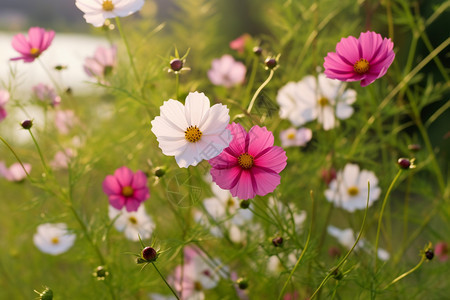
{"x": 149, "y": 254}
{"x": 176, "y": 64}
{"x": 257, "y": 50}
{"x": 242, "y": 283}
{"x": 47, "y": 294}
{"x": 159, "y": 172}
{"x": 245, "y": 204}
{"x": 270, "y": 63}
{"x": 278, "y": 241}
{"x": 404, "y": 163}
{"x": 27, "y": 124}
{"x": 414, "y": 147}
{"x": 337, "y": 274}
{"x": 100, "y": 273}
{"x": 429, "y": 254}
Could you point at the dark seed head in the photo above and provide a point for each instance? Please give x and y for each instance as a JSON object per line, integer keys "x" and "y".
{"x": 176, "y": 64}
{"x": 149, "y": 254}
{"x": 429, "y": 254}
{"x": 404, "y": 163}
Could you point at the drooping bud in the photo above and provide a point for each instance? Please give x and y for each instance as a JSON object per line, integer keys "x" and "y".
{"x": 27, "y": 124}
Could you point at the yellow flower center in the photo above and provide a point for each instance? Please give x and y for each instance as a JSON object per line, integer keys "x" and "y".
{"x": 55, "y": 240}
{"x": 107, "y": 5}
{"x": 35, "y": 52}
{"x": 353, "y": 191}
{"x": 230, "y": 203}
{"x": 245, "y": 161}
{"x": 193, "y": 134}
{"x": 323, "y": 101}
{"x": 361, "y": 66}
{"x": 127, "y": 191}
{"x": 133, "y": 220}
{"x": 198, "y": 286}
{"x": 291, "y": 136}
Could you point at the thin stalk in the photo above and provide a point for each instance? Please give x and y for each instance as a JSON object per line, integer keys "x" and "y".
{"x": 39, "y": 151}
{"x": 165, "y": 281}
{"x": 15, "y": 155}
{"x": 50, "y": 76}
{"x": 251, "y": 81}
{"x": 381, "y": 213}
{"x": 252, "y": 102}
{"x": 303, "y": 251}
{"x": 125, "y": 41}
{"x": 407, "y": 273}
{"x": 177, "y": 85}
{"x": 350, "y": 251}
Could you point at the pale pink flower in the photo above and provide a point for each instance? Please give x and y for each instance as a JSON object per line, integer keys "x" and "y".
{"x": 15, "y": 172}
{"x": 250, "y": 165}
{"x": 126, "y": 188}
{"x": 102, "y": 63}
{"x": 65, "y": 120}
{"x": 366, "y": 58}
{"x": 4, "y": 98}
{"x": 441, "y": 251}
{"x": 38, "y": 41}
{"x": 46, "y": 93}
{"x": 62, "y": 159}
{"x": 226, "y": 71}
{"x": 295, "y": 137}
{"x": 96, "y": 12}
{"x": 238, "y": 44}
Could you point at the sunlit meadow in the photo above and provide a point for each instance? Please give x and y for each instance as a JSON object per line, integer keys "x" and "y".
{"x": 207, "y": 149}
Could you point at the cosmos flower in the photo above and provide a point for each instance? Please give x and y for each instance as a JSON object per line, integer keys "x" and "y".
{"x": 364, "y": 59}
{"x": 126, "y": 189}
{"x": 15, "y": 172}
{"x": 192, "y": 132}
{"x": 349, "y": 189}
{"x": 295, "y": 137}
{"x": 53, "y": 239}
{"x": 47, "y": 94}
{"x": 441, "y": 251}
{"x": 133, "y": 224}
{"x": 347, "y": 238}
{"x": 238, "y": 44}
{"x": 38, "y": 41}
{"x": 250, "y": 165}
{"x": 65, "y": 120}
{"x": 62, "y": 159}
{"x": 4, "y": 98}
{"x": 102, "y": 63}
{"x": 310, "y": 99}
{"x": 226, "y": 71}
{"x": 96, "y": 12}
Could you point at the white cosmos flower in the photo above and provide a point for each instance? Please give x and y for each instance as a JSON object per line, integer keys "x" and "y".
{"x": 295, "y": 137}
{"x": 133, "y": 223}
{"x": 53, "y": 238}
{"x": 349, "y": 189}
{"x": 313, "y": 98}
{"x": 97, "y": 11}
{"x": 194, "y": 131}
{"x": 347, "y": 238}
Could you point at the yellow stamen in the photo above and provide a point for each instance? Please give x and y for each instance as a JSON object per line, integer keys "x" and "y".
{"x": 323, "y": 101}
{"x": 55, "y": 240}
{"x": 192, "y": 134}
{"x": 127, "y": 191}
{"x": 291, "y": 136}
{"x": 198, "y": 286}
{"x": 35, "y": 52}
{"x": 108, "y": 5}
{"x": 133, "y": 220}
{"x": 361, "y": 66}
{"x": 245, "y": 161}
{"x": 353, "y": 191}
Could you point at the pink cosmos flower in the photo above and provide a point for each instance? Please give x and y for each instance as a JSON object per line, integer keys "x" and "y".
{"x": 250, "y": 165}
{"x": 38, "y": 41}
{"x": 102, "y": 63}
{"x": 226, "y": 71}
{"x": 4, "y": 98}
{"x": 47, "y": 94}
{"x": 15, "y": 172}
{"x": 65, "y": 120}
{"x": 126, "y": 189}
{"x": 441, "y": 251}
{"x": 238, "y": 44}
{"x": 62, "y": 159}
{"x": 366, "y": 58}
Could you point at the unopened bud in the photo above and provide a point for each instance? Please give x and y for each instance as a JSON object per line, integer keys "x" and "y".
{"x": 159, "y": 172}
{"x": 242, "y": 283}
{"x": 149, "y": 254}
{"x": 278, "y": 241}
{"x": 414, "y": 147}
{"x": 270, "y": 63}
{"x": 404, "y": 163}
{"x": 176, "y": 64}
{"x": 257, "y": 50}
{"x": 245, "y": 204}
{"x": 47, "y": 294}
{"x": 27, "y": 124}
{"x": 429, "y": 254}
{"x": 100, "y": 273}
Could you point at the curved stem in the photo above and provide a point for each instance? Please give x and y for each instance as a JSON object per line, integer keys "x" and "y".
{"x": 125, "y": 41}
{"x": 252, "y": 79}
{"x": 39, "y": 151}
{"x": 165, "y": 281}
{"x": 407, "y": 273}
{"x": 252, "y": 102}
{"x": 303, "y": 251}
{"x": 381, "y": 214}
{"x": 15, "y": 155}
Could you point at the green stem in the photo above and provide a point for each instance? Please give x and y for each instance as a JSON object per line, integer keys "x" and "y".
{"x": 302, "y": 254}
{"x": 381, "y": 214}
{"x": 39, "y": 151}
{"x": 49, "y": 75}
{"x": 125, "y": 41}
{"x": 349, "y": 252}
{"x": 177, "y": 85}
{"x": 252, "y": 102}
{"x": 407, "y": 273}
{"x": 165, "y": 281}
{"x": 251, "y": 81}
{"x": 15, "y": 155}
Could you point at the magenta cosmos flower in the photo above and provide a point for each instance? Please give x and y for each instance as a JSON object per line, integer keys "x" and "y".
{"x": 126, "y": 189}
{"x": 102, "y": 63}
{"x": 366, "y": 58}
{"x": 250, "y": 165}
{"x": 38, "y": 41}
